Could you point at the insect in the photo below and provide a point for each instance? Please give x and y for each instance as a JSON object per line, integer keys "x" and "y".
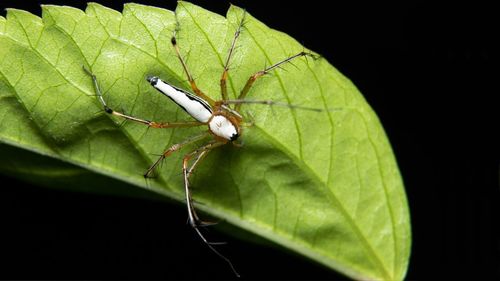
{"x": 222, "y": 118}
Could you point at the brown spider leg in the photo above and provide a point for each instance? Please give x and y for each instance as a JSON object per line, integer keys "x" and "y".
{"x": 198, "y": 157}
{"x": 193, "y": 219}
{"x": 196, "y": 161}
{"x": 151, "y": 124}
{"x": 195, "y": 88}
{"x": 263, "y": 72}
{"x": 172, "y": 149}
{"x": 223, "y": 79}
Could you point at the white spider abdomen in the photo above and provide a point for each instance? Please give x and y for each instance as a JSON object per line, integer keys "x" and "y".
{"x": 195, "y": 106}
{"x": 222, "y": 127}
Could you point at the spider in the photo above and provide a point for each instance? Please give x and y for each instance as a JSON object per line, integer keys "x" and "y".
{"x": 224, "y": 122}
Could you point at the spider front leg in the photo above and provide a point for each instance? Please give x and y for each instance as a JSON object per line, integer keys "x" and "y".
{"x": 195, "y": 88}
{"x": 263, "y": 72}
{"x": 223, "y": 79}
{"x": 151, "y": 124}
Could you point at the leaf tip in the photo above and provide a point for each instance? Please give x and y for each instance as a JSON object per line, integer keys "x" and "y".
{"x": 14, "y": 11}
{"x": 97, "y": 9}
{"x": 95, "y": 5}
{"x": 234, "y": 7}
{"x": 181, "y": 3}
{"x": 21, "y": 15}
{"x": 48, "y": 8}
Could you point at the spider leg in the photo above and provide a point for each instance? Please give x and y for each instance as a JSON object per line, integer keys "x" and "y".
{"x": 271, "y": 103}
{"x": 263, "y": 72}
{"x": 196, "y": 161}
{"x": 223, "y": 79}
{"x": 151, "y": 124}
{"x": 197, "y": 154}
{"x": 193, "y": 219}
{"x": 172, "y": 149}
{"x": 195, "y": 88}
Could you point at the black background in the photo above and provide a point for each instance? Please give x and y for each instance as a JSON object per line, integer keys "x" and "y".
{"x": 427, "y": 70}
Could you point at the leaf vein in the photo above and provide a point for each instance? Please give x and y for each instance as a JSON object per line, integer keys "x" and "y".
{"x": 389, "y": 205}
{"x": 148, "y": 31}
{"x": 47, "y": 140}
{"x": 68, "y": 36}
{"x": 330, "y": 119}
{"x": 35, "y": 50}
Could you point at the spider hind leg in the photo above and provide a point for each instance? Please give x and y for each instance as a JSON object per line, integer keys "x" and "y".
{"x": 193, "y": 220}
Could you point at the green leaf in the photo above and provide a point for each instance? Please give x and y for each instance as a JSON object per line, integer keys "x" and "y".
{"x": 323, "y": 184}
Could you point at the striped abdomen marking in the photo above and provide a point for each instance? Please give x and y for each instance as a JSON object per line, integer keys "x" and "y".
{"x": 198, "y": 108}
